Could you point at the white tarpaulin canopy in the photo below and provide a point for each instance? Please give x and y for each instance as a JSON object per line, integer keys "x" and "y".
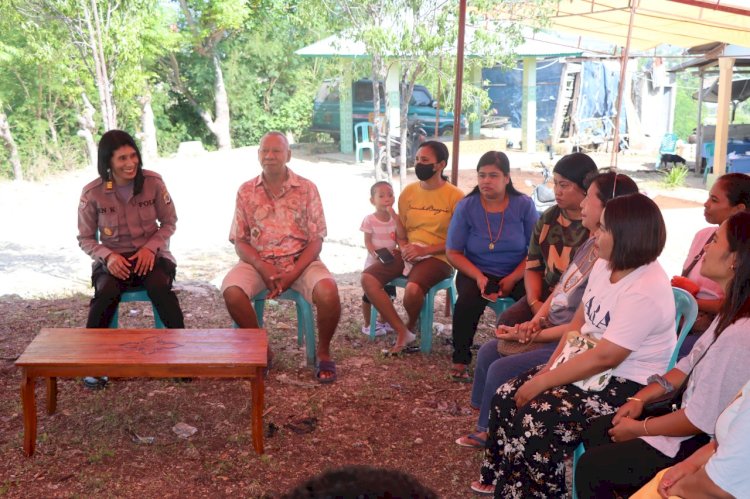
{"x": 684, "y": 23}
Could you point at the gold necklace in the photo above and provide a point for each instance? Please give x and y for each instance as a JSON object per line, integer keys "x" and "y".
{"x": 489, "y": 230}
{"x": 583, "y": 271}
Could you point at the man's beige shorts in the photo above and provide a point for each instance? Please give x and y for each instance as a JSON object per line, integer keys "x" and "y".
{"x": 244, "y": 276}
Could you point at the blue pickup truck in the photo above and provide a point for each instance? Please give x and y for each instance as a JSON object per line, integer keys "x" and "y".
{"x": 422, "y": 107}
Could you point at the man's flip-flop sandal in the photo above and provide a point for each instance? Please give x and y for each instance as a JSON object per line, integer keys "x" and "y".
{"x": 474, "y": 441}
{"x": 327, "y": 366}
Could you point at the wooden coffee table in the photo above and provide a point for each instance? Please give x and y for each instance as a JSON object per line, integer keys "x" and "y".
{"x": 148, "y": 353}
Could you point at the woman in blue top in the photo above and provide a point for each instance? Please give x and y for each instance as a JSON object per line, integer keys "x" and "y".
{"x": 488, "y": 239}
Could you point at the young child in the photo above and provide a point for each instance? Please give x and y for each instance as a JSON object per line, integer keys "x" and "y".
{"x": 381, "y": 229}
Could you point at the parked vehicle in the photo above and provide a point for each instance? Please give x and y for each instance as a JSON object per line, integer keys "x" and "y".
{"x": 422, "y": 107}
{"x": 543, "y": 195}
{"x": 415, "y": 135}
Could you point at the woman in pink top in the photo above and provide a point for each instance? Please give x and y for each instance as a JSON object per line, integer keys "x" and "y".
{"x": 730, "y": 194}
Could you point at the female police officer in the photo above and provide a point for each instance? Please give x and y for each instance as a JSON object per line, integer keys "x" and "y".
{"x": 125, "y": 220}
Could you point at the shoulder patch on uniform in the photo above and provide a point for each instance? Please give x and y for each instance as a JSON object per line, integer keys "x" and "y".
{"x": 166, "y": 196}
{"x": 83, "y": 204}
{"x": 94, "y": 183}
{"x": 149, "y": 173}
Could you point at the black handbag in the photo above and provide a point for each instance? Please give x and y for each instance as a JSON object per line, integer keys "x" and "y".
{"x": 669, "y": 402}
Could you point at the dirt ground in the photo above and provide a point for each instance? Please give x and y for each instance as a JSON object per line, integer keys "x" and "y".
{"x": 401, "y": 413}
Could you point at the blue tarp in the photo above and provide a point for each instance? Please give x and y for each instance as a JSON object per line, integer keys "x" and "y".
{"x": 598, "y": 94}
{"x": 505, "y": 89}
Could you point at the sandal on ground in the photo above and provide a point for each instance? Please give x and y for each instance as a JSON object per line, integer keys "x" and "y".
{"x": 460, "y": 375}
{"x": 325, "y": 366}
{"x": 397, "y": 352}
{"x": 485, "y": 490}
{"x": 409, "y": 347}
{"x": 95, "y": 383}
{"x": 472, "y": 440}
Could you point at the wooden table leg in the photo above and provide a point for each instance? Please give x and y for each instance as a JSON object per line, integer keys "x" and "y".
{"x": 257, "y": 389}
{"x": 29, "y": 414}
{"x": 51, "y": 395}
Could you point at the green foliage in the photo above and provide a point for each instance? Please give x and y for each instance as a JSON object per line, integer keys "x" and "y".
{"x": 686, "y": 108}
{"x": 675, "y": 177}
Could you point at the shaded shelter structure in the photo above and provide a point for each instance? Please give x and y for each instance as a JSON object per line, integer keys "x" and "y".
{"x": 708, "y": 62}
{"x": 528, "y": 53}
{"x": 646, "y": 24}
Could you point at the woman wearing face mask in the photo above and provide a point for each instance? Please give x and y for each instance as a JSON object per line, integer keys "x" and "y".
{"x": 425, "y": 209}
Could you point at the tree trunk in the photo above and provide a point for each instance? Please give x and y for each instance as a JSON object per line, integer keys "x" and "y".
{"x": 103, "y": 85}
{"x": 88, "y": 127}
{"x": 10, "y": 145}
{"x": 53, "y": 135}
{"x": 407, "y": 88}
{"x": 380, "y": 122}
{"x": 149, "y": 149}
{"x": 221, "y": 123}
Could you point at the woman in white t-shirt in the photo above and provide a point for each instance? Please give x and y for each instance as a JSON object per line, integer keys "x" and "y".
{"x": 623, "y": 452}
{"x": 730, "y": 194}
{"x": 537, "y": 418}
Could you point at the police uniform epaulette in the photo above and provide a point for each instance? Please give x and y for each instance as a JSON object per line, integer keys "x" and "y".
{"x": 93, "y": 184}
{"x": 149, "y": 173}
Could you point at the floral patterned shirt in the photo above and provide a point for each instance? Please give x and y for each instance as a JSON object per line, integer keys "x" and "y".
{"x": 278, "y": 227}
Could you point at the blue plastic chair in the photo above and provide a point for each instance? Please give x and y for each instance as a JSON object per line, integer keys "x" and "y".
{"x": 133, "y": 295}
{"x": 500, "y": 305}
{"x": 305, "y": 322}
{"x": 428, "y": 309}
{"x": 709, "y": 148}
{"x": 687, "y": 311}
{"x": 668, "y": 146}
{"x": 362, "y": 140}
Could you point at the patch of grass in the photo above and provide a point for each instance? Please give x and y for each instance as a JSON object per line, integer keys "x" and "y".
{"x": 99, "y": 455}
{"x": 5, "y": 487}
{"x": 675, "y": 177}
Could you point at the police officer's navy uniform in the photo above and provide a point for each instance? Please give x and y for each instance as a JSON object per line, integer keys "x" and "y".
{"x": 107, "y": 224}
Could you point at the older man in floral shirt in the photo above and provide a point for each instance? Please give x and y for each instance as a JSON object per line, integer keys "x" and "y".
{"x": 278, "y": 232}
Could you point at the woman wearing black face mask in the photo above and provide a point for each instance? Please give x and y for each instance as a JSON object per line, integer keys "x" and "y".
{"x": 425, "y": 208}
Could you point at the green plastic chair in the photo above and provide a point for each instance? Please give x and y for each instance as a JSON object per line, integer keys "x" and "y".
{"x": 687, "y": 312}
{"x": 133, "y": 295}
{"x": 362, "y": 140}
{"x": 427, "y": 311}
{"x": 305, "y": 322}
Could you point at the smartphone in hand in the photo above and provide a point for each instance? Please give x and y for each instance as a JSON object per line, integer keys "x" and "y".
{"x": 491, "y": 289}
{"x": 384, "y": 255}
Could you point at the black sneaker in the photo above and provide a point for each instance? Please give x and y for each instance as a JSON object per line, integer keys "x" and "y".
{"x": 95, "y": 383}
